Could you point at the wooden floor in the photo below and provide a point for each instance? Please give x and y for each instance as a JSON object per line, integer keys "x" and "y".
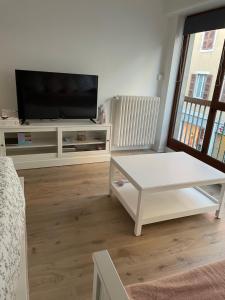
{"x": 69, "y": 216}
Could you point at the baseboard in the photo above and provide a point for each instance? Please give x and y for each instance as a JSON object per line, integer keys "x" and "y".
{"x": 147, "y": 147}
{"x": 61, "y": 162}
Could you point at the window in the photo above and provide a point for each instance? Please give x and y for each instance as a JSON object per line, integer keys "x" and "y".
{"x": 208, "y": 40}
{"x": 197, "y": 125}
{"x": 200, "y": 86}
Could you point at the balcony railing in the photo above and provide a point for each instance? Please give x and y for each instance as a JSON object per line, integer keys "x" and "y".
{"x": 192, "y": 125}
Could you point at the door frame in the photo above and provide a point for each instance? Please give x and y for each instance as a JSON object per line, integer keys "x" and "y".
{"x": 214, "y": 107}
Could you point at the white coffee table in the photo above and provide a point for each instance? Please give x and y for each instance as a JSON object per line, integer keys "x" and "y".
{"x": 165, "y": 186}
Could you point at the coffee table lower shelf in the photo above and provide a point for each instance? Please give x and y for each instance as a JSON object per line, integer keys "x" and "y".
{"x": 163, "y": 206}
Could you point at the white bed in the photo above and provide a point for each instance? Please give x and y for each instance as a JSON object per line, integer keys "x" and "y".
{"x": 22, "y": 288}
{"x": 106, "y": 283}
{"x": 202, "y": 283}
{"x": 13, "y": 250}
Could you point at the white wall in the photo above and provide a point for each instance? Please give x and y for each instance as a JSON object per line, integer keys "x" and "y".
{"x": 120, "y": 40}
{"x": 171, "y": 56}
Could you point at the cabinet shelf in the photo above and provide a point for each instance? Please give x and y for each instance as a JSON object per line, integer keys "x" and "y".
{"x": 86, "y": 142}
{"x": 39, "y": 144}
{"x": 164, "y": 205}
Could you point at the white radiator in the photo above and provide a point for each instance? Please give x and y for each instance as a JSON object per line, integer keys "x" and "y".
{"x": 134, "y": 121}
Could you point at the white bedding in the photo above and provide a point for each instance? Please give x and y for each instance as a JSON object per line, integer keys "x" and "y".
{"x": 12, "y": 219}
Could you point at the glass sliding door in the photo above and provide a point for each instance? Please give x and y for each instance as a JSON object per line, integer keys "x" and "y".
{"x": 197, "y": 123}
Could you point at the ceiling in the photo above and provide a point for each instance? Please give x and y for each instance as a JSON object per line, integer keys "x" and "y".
{"x": 184, "y": 7}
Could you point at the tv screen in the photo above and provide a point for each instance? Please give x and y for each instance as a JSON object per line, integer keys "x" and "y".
{"x": 47, "y": 95}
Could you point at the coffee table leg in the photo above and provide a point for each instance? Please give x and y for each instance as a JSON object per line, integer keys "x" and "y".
{"x": 110, "y": 177}
{"x": 138, "y": 220}
{"x": 220, "y": 211}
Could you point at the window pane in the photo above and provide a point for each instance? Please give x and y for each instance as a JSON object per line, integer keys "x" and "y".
{"x": 197, "y": 87}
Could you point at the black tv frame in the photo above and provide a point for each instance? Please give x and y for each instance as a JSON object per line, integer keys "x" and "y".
{"x": 20, "y": 103}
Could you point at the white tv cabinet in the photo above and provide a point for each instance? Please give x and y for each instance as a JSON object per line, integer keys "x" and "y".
{"x": 56, "y": 143}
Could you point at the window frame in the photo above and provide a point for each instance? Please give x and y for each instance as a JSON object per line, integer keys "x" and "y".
{"x": 222, "y": 91}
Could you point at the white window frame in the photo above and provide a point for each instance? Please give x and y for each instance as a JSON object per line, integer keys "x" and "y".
{"x": 195, "y": 87}
{"x": 203, "y": 36}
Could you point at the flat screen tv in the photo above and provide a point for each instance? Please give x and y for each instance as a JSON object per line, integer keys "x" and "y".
{"x": 48, "y": 95}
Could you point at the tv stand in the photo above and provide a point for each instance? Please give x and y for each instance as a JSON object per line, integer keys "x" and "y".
{"x": 93, "y": 121}
{"x": 56, "y": 143}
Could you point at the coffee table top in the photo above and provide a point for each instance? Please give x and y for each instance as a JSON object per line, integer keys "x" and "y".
{"x": 167, "y": 171}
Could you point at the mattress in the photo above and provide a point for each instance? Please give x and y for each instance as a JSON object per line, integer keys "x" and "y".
{"x": 203, "y": 283}
{"x": 12, "y": 226}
